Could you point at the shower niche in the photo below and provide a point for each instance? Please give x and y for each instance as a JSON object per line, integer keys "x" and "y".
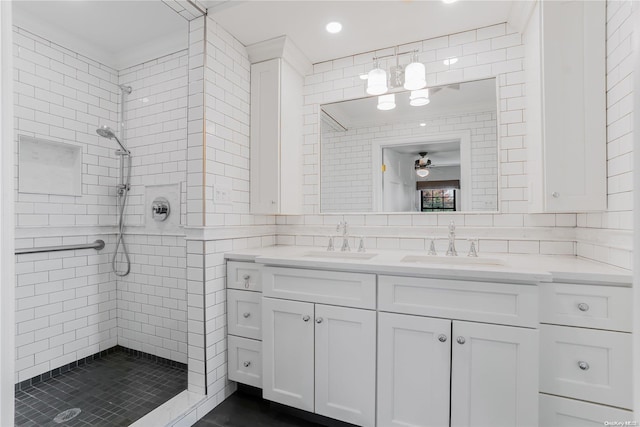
{"x": 49, "y": 167}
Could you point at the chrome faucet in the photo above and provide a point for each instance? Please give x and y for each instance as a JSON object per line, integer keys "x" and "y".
{"x": 451, "y": 250}
{"x": 345, "y": 236}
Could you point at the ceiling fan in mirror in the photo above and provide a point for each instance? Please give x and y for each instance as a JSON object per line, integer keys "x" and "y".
{"x": 422, "y": 165}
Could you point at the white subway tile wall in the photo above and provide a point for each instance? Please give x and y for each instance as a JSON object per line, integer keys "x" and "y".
{"x": 346, "y": 175}
{"x": 152, "y": 299}
{"x": 227, "y": 74}
{"x": 65, "y": 301}
{"x": 156, "y": 127}
{"x": 495, "y": 51}
{"x": 595, "y": 238}
{"x": 65, "y": 304}
{"x": 63, "y": 96}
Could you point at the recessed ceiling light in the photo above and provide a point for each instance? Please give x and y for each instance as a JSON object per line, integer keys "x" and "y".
{"x": 449, "y": 1}
{"x": 144, "y": 100}
{"x": 450, "y": 61}
{"x": 423, "y": 124}
{"x": 334, "y": 27}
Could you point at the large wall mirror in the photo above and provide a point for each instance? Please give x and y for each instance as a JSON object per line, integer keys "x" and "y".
{"x": 441, "y": 156}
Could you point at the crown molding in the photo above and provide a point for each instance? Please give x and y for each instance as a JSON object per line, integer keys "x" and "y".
{"x": 280, "y": 47}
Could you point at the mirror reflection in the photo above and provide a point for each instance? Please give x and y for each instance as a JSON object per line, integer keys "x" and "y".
{"x": 440, "y": 156}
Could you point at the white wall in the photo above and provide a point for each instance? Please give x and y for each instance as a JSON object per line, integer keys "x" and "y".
{"x": 152, "y": 299}
{"x": 65, "y": 301}
{"x": 607, "y": 236}
{"x": 347, "y": 178}
{"x": 495, "y": 51}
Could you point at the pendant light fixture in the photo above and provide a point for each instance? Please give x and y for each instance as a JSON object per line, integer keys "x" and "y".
{"x": 418, "y": 98}
{"x": 377, "y": 80}
{"x": 422, "y": 165}
{"x": 387, "y": 102}
{"x": 415, "y": 75}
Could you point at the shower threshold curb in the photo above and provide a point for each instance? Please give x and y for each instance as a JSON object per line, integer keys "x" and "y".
{"x": 172, "y": 411}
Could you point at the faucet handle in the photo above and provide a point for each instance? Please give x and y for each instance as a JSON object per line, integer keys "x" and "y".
{"x": 473, "y": 251}
{"x": 361, "y": 247}
{"x": 330, "y": 246}
{"x": 432, "y": 247}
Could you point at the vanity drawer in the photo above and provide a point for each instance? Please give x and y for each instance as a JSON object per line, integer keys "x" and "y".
{"x": 586, "y": 364}
{"x": 244, "y": 275}
{"x": 244, "y": 313}
{"x": 560, "y": 412}
{"x": 597, "y": 307}
{"x": 326, "y": 287}
{"x": 245, "y": 361}
{"x": 500, "y": 303}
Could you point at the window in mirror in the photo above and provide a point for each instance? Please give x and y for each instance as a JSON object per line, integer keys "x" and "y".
{"x": 368, "y": 156}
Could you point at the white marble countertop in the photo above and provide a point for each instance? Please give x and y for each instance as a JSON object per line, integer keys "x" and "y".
{"x": 529, "y": 269}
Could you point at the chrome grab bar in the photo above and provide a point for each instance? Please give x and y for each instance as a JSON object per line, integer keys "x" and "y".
{"x": 97, "y": 245}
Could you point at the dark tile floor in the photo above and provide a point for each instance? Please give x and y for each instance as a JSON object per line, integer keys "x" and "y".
{"x": 245, "y": 408}
{"x": 112, "y": 391}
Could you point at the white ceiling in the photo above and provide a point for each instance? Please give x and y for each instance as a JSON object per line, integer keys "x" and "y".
{"x": 440, "y": 153}
{"x": 124, "y": 33}
{"x": 469, "y": 96}
{"x": 116, "y": 33}
{"x": 367, "y": 24}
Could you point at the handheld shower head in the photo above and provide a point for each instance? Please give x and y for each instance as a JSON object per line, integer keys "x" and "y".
{"x": 106, "y": 132}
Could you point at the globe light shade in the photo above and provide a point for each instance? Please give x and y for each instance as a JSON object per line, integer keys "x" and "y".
{"x": 377, "y": 82}
{"x": 419, "y": 97}
{"x": 415, "y": 76}
{"x": 387, "y": 102}
{"x": 422, "y": 173}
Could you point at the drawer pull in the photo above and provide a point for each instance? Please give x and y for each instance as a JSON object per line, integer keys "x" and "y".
{"x": 246, "y": 315}
{"x": 246, "y": 364}
{"x": 319, "y": 320}
{"x": 246, "y": 278}
{"x": 306, "y": 318}
{"x": 442, "y": 338}
{"x": 461, "y": 340}
{"x": 583, "y": 306}
{"x": 583, "y": 365}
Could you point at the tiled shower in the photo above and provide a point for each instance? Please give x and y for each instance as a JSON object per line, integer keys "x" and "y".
{"x": 73, "y": 314}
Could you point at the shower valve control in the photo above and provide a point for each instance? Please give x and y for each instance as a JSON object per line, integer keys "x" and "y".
{"x": 160, "y": 209}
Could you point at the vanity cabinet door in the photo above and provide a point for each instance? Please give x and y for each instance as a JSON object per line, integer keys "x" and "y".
{"x": 288, "y": 356}
{"x": 345, "y": 371}
{"x": 494, "y": 375}
{"x": 414, "y": 362}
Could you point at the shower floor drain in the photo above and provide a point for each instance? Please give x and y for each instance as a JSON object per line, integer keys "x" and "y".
{"x": 67, "y": 415}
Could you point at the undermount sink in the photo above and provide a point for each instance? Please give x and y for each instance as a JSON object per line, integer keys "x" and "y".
{"x": 340, "y": 255}
{"x": 451, "y": 260}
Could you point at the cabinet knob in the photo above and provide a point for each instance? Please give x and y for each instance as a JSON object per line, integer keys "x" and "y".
{"x": 319, "y": 320}
{"x": 442, "y": 338}
{"x": 246, "y": 364}
{"x": 583, "y": 365}
{"x": 461, "y": 340}
{"x": 273, "y": 202}
{"x": 555, "y": 194}
{"x": 583, "y": 306}
{"x": 246, "y": 278}
{"x": 306, "y": 318}
{"x": 246, "y": 315}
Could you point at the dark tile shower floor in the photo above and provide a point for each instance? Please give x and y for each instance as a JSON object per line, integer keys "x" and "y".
{"x": 114, "y": 390}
